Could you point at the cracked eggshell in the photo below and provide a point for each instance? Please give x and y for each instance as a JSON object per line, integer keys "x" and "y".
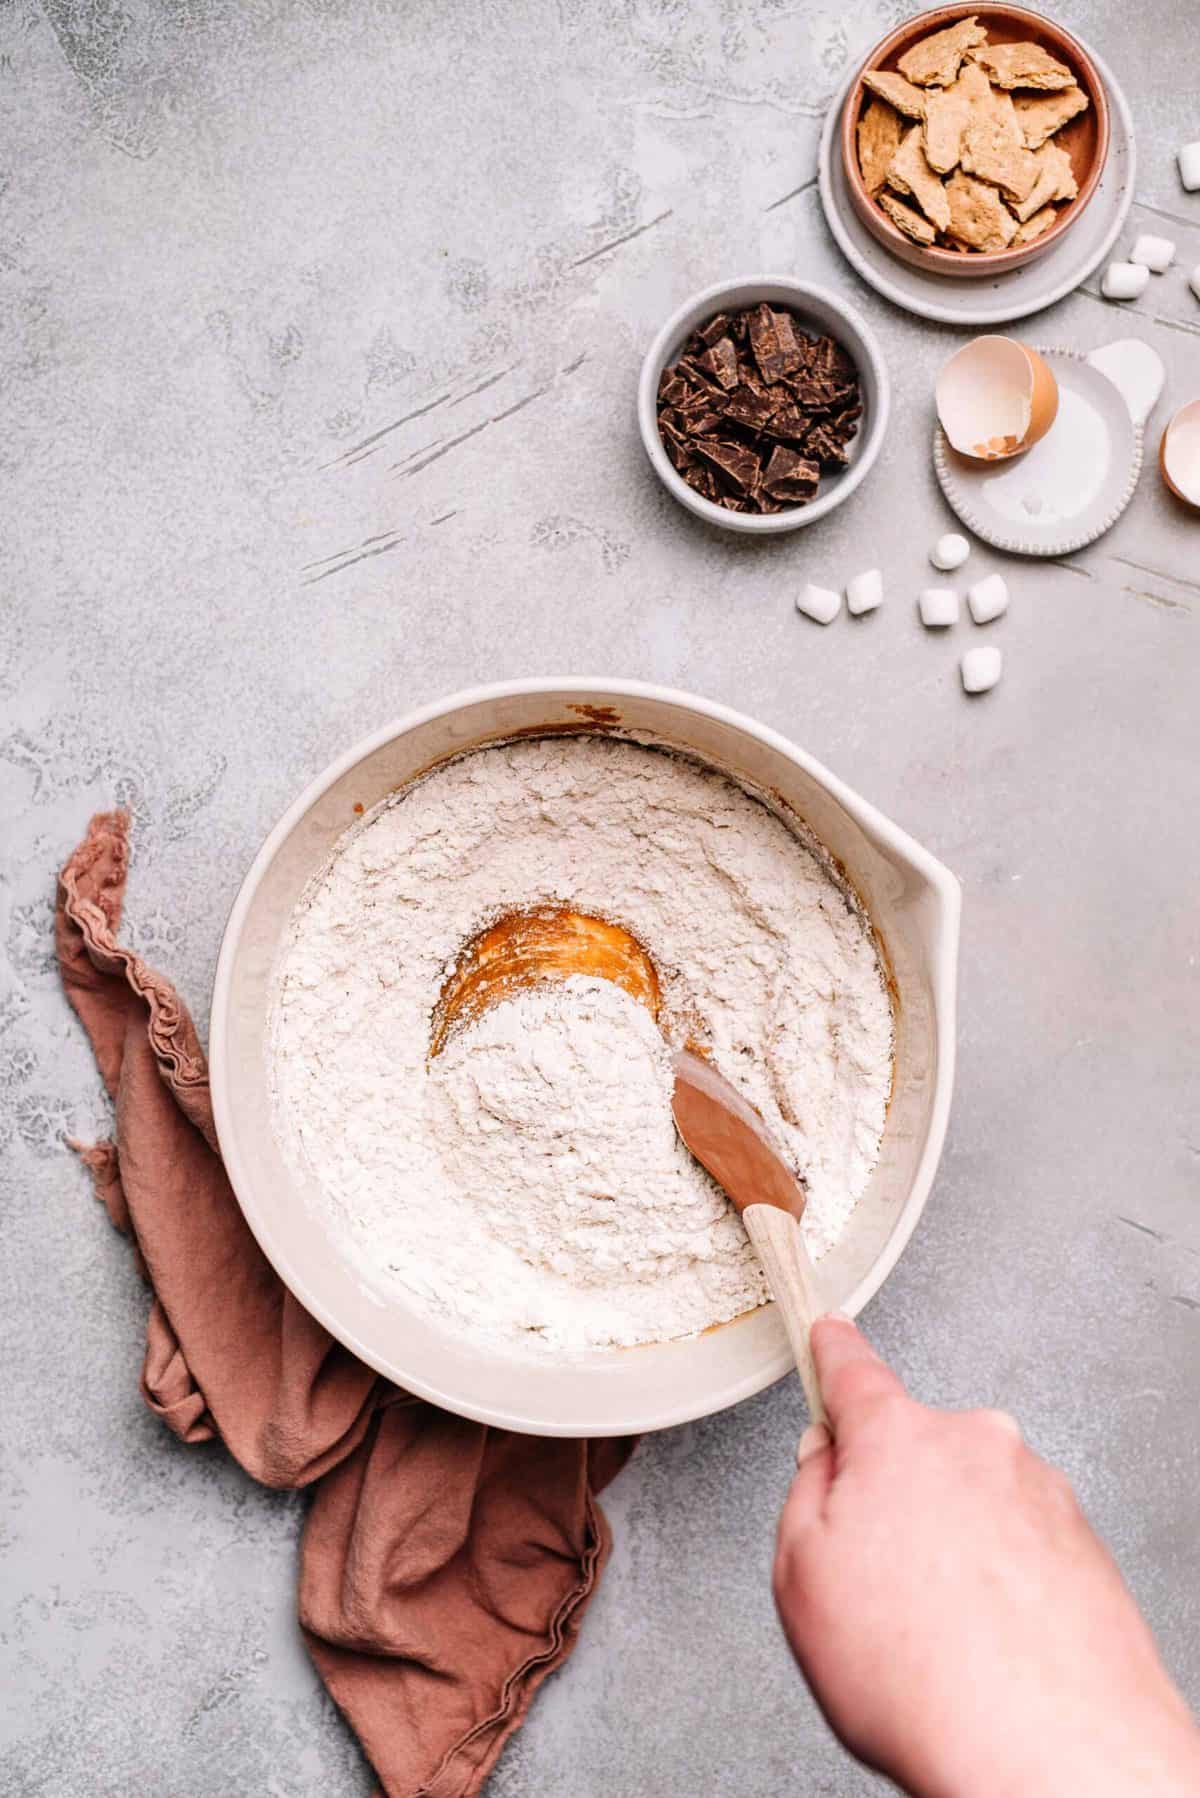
{"x": 995, "y": 398}
{"x": 1179, "y": 454}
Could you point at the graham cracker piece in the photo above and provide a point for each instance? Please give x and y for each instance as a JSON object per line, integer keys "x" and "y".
{"x": 1023, "y": 65}
{"x": 1035, "y": 225}
{"x": 879, "y": 131}
{"x": 1056, "y": 181}
{"x": 1041, "y": 115}
{"x": 910, "y": 222}
{"x": 978, "y": 216}
{"x": 896, "y": 91}
{"x": 934, "y": 61}
{"x": 910, "y": 173}
{"x": 993, "y": 149}
{"x": 947, "y": 110}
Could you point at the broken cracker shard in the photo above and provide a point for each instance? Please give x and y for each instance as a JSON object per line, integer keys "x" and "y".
{"x": 752, "y": 409}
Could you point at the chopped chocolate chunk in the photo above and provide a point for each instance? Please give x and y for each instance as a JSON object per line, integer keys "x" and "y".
{"x": 789, "y": 476}
{"x": 720, "y": 361}
{"x": 671, "y": 387}
{"x": 789, "y": 422}
{"x": 739, "y": 465}
{"x": 716, "y": 327}
{"x": 764, "y": 341}
{"x": 753, "y": 408}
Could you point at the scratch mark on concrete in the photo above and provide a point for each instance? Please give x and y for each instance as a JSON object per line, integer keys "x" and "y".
{"x": 381, "y": 537}
{"x": 1181, "y": 1298}
{"x": 1131, "y": 1223}
{"x": 359, "y": 449}
{"x": 482, "y": 386}
{"x": 1073, "y": 568}
{"x": 411, "y": 467}
{"x": 615, "y": 244}
{"x": 520, "y": 405}
{"x": 1176, "y": 324}
{"x": 1122, "y": 306}
{"x": 796, "y": 191}
{"x": 1159, "y": 601}
{"x": 381, "y": 548}
{"x": 443, "y": 519}
{"x": 578, "y": 363}
{"x": 1176, "y": 218}
{"x": 1158, "y": 574}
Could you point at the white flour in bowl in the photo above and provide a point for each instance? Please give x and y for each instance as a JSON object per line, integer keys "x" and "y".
{"x": 528, "y": 1184}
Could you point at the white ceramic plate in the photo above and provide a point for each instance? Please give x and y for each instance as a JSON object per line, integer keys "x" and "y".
{"x": 993, "y": 298}
{"x": 913, "y": 901}
{"x": 1068, "y": 489}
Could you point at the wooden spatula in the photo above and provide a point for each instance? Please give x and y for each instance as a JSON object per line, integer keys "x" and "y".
{"x": 723, "y": 1132}
{"x": 727, "y": 1136}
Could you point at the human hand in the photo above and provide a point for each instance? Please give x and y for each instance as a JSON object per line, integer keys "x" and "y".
{"x": 961, "y": 1626}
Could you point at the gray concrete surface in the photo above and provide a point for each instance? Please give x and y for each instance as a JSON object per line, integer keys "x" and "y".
{"x": 238, "y": 238}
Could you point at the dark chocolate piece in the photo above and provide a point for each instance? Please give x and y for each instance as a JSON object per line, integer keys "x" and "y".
{"x": 764, "y": 342}
{"x": 789, "y": 476}
{"x": 739, "y": 465}
{"x": 716, "y": 327}
{"x": 721, "y": 362}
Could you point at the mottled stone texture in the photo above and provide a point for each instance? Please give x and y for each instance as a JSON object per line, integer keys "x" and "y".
{"x": 319, "y": 331}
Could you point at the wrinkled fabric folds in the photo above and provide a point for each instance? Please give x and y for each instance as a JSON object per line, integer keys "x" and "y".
{"x": 445, "y": 1566}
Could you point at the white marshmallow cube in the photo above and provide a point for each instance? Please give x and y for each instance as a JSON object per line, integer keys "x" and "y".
{"x": 1189, "y": 166}
{"x": 1194, "y": 280}
{"x": 821, "y": 603}
{"x": 988, "y": 598}
{"x": 1124, "y": 281}
{"x": 938, "y": 607}
{"x": 1154, "y": 253}
{"x": 864, "y": 592}
{"x": 949, "y": 552}
{"x": 981, "y": 669}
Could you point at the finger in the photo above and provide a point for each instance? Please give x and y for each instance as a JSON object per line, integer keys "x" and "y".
{"x": 815, "y": 1438}
{"x": 805, "y": 1501}
{"x": 851, "y": 1374}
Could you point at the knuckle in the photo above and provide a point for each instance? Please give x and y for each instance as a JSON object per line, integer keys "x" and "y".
{"x": 1061, "y": 1492}
{"x": 1001, "y": 1425}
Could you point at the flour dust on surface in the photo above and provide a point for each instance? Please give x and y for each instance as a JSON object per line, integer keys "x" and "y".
{"x": 527, "y": 1184}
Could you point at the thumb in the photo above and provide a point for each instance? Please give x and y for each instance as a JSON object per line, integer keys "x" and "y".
{"x": 852, "y": 1375}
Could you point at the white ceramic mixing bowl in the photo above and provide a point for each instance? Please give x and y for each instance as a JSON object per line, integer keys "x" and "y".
{"x": 912, "y": 899}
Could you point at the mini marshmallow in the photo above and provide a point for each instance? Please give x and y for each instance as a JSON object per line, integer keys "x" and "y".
{"x": 821, "y": 603}
{"x": 1189, "y": 166}
{"x": 950, "y": 551}
{"x": 981, "y": 669}
{"x": 938, "y": 607}
{"x": 864, "y": 592}
{"x": 1194, "y": 280}
{"x": 988, "y": 598}
{"x": 1156, "y": 253}
{"x": 1124, "y": 281}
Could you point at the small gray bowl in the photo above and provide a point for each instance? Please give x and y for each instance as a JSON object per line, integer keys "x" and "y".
{"x": 820, "y": 311}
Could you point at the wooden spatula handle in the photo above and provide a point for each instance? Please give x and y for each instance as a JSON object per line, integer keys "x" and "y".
{"x": 789, "y": 1270}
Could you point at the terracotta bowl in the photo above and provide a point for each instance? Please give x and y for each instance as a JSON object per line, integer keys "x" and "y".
{"x": 1085, "y": 139}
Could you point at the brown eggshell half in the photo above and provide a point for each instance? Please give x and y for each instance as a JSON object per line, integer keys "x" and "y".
{"x": 1186, "y": 416}
{"x": 995, "y": 399}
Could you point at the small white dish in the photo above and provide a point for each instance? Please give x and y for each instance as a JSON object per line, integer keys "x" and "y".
{"x": 1068, "y": 489}
{"x": 824, "y": 314}
{"x": 991, "y": 299}
{"x": 913, "y": 902}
